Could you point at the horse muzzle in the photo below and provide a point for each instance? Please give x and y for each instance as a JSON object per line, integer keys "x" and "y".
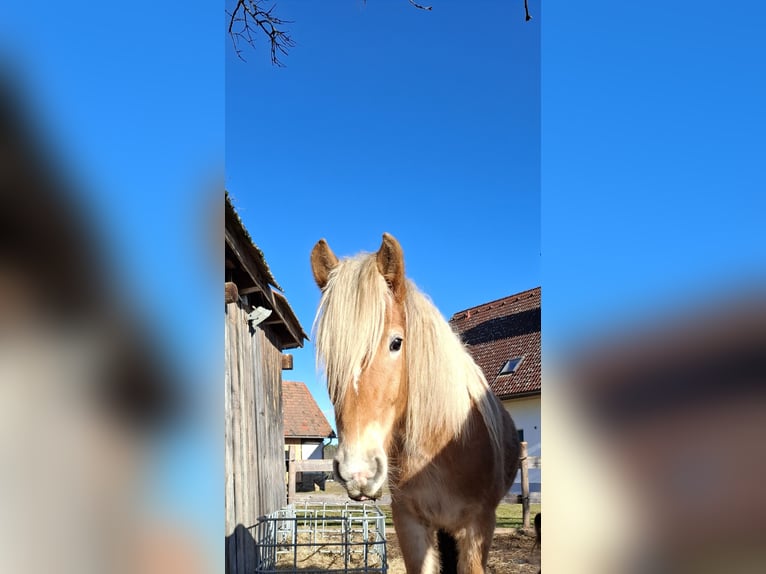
{"x": 362, "y": 477}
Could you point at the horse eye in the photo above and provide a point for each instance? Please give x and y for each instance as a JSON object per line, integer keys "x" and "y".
{"x": 396, "y": 344}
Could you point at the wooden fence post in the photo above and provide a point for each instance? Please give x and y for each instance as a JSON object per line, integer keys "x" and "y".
{"x": 291, "y": 475}
{"x": 524, "y": 485}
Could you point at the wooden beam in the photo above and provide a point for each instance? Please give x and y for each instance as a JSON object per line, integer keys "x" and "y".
{"x": 315, "y": 465}
{"x": 291, "y": 321}
{"x": 291, "y": 475}
{"x": 287, "y": 362}
{"x": 232, "y": 293}
{"x": 251, "y": 289}
{"x": 241, "y": 249}
{"x": 524, "y": 485}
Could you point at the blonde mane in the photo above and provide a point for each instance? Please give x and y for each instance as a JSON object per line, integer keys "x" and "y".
{"x": 349, "y": 322}
{"x": 444, "y": 381}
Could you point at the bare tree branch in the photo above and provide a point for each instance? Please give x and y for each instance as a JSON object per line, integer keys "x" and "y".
{"x": 250, "y": 15}
{"x": 416, "y": 5}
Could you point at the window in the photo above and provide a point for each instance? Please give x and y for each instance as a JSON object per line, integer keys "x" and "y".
{"x": 521, "y": 434}
{"x": 511, "y": 366}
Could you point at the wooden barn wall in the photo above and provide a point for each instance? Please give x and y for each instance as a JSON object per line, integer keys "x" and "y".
{"x": 254, "y": 451}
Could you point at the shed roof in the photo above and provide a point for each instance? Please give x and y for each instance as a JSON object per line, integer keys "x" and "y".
{"x": 501, "y": 330}
{"x": 246, "y": 266}
{"x": 302, "y": 416}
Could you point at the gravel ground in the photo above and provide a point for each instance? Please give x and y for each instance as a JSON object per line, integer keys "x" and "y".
{"x": 512, "y": 552}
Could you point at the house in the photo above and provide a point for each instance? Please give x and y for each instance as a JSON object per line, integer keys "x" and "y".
{"x": 306, "y": 427}
{"x": 503, "y": 338}
{"x": 260, "y": 325}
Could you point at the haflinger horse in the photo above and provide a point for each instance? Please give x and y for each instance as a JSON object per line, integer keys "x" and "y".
{"x": 412, "y": 407}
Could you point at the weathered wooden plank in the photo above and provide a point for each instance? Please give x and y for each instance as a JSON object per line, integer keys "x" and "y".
{"x": 270, "y": 485}
{"x": 249, "y": 444}
{"x": 236, "y": 563}
{"x": 261, "y": 389}
{"x": 317, "y": 465}
{"x": 246, "y": 505}
{"x": 254, "y": 455}
{"x": 276, "y": 426}
{"x": 230, "y": 520}
{"x": 251, "y": 289}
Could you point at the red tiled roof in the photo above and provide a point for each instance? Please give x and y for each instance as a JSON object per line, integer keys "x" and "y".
{"x": 501, "y": 330}
{"x": 302, "y": 416}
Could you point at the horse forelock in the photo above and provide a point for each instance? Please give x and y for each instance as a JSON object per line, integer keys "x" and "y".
{"x": 349, "y": 322}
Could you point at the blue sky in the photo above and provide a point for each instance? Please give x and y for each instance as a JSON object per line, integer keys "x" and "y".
{"x": 384, "y": 120}
{"x": 652, "y": 172}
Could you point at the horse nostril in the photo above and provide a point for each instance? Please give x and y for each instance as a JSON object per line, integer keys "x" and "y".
{"x": 380, "y": 467}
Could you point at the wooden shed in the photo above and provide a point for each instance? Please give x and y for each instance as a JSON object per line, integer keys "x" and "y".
{"x": 260, "y": 325}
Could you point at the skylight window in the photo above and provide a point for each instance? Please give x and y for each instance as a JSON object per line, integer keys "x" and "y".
{"x": 511, "y": 366}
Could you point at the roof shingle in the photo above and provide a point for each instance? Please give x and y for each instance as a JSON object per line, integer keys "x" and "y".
{"x": 302, "y": 416}
{"x": 500, "y": 330}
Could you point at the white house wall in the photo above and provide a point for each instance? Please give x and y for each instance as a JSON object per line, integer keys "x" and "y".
{"x": 311, "y": 450}
{"x": 525, "y": 413}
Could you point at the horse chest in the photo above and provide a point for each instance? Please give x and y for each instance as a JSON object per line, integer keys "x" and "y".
{"x": 436, "y": 502}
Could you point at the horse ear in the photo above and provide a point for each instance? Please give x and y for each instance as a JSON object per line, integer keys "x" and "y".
{"x": 323, "y": 260}
{"x": 390, "y": 259}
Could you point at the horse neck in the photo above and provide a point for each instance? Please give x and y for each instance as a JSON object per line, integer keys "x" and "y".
{"x": 427, "y": 463}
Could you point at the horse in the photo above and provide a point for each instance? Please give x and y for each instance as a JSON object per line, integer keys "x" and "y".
{"x": 413, "y": 408}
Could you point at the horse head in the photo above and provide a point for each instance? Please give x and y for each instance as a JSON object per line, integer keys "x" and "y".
{"x": 361, "y": 339}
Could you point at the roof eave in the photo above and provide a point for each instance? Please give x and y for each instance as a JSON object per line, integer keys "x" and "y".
{"x": 253, "y": 262}
{"x": 521, "y": 395}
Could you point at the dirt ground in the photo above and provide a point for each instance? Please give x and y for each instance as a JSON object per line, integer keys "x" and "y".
{"x": 512, "y": 552}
